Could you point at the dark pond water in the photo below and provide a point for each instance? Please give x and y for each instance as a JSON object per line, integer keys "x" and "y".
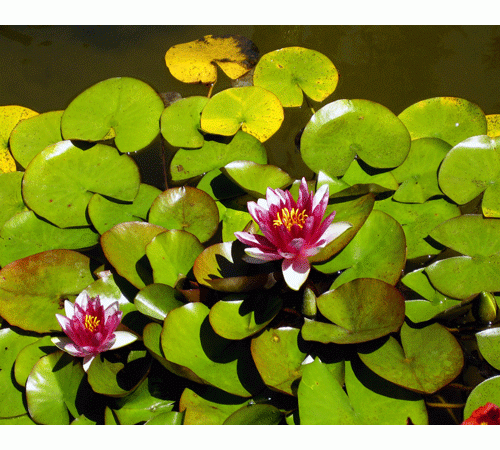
{"x": 45, "y": 67}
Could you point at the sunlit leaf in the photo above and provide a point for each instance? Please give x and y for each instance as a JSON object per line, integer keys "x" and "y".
{"x": 197, "y": 61}
{"x": 486, "y": 391}
{"x": 289, "y": 71}
{"x": 255, "y": 110}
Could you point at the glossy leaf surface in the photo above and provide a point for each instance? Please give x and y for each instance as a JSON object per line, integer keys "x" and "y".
{"x": 345, "y": 128}
{"x": 29, "y": 356}
{"x": 289, "y": 71}
{"x": 488, "y": 342}
{"x": 256, "y": 414}
{"x": 129, "y": 107}
{"x": 157, "y": 300}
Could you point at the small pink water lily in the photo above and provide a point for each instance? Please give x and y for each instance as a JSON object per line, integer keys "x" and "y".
{"x": 293, "y": 231}
{"x": 90, "y": 328}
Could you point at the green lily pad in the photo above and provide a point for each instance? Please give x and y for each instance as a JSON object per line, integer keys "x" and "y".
{"x": 188, "y": 339}
{"x": 124, "y": 246}
{"x": 484, "y": 392}
{"x": 419, "y": 282}
{"x": 25, "y": 234}
{"x": 418, "y": 220}
{"x": 322, "y": 401}
{"x": 379, "y": 402}
{"x": 426, "y": 360}
{"x": 188, "y": 209}
{"x": 12, "y": 343}
{"x": 218, "y": 186}
{"x": 424, "y": 310}
{"x": 208, "y": 406}
{"x": 129, "y": 107}
{"x": 167, "y": 418}
{"x": 255, "y": 178}
{"x": 361, "y": 182}
{"x": 213, "y": 155}
{"x": 378, "y": 251}
{"x": 180, "y": 122}
{"x": 104, "y": 213}
{"x": 289, "y": 71}
{"x": 355, "y": 212}
{"x": 239, "y": 316}
{"x": 114, "y": 378}
{"x": 33, "y": 289}
{"x": 488, "y": 342}
{"x": 255, "y": 110}
{"x": 222, "y": 268}
{"x": 32, "y": 135}
{"x": 56, "y": 388}
{"x": 157, "y": 300}
{"x": 172, "y": 254}
{"x": 418, "y": 174}
{"x": 448, "y": 118}
{"x": 232, "y": 220}
{"x": 278, "y": 354}
{"x": 470, "y": 168}
{"x": 59, "y": 181}
{"x": 345, "y": 128}
{"x": 361, "y": 310}
{"x": 29, "y": 356}
{"x": 12, "y": 200}
{"x": 255, "y": 414}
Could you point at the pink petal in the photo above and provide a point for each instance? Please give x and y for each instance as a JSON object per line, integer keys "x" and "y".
{"x": 123, "y": 338}
{"x": 67, "y": 345}
{"x": 295, "y": 272}
{"x": 262, "y": 255}
{"x": 333, "y": 232}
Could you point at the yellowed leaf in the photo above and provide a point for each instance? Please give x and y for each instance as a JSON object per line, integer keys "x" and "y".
{"x": 197, "y": 61}
{"x": 493, "y": 121}
{"x": 10, "y": 116}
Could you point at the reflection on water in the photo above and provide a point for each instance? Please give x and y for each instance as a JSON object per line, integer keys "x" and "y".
{"x": 45, "y": 67}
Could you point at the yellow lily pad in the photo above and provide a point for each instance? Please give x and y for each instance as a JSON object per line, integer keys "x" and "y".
{"x": 493, "y": 124}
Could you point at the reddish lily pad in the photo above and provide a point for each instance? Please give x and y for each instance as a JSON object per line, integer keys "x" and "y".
{"x": 345, "y": 128}
{"x": 33, "y": 289}
{"x": 188, "y": 209}
{"x": 426, "y": 360}
{"x": 361, "y": 310}
{"x": 129, "y": 107}
{"x": 255, "y": 110}
{"x": 289, "y": 71}
{"x": 213, "y": 155}
{"x": 448, "y": 118}
{"x": 59, "y": 181}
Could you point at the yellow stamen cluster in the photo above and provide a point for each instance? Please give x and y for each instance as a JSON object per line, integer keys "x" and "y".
{"x": 91, "y": 323}
{"x": 289, "y": 218}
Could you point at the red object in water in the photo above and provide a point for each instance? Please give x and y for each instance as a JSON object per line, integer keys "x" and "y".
{"x": 488, "y": 414}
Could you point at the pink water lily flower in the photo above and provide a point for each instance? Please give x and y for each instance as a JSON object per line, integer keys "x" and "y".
{"x": 293, "y": 231}
{"x": 90, "y": 328}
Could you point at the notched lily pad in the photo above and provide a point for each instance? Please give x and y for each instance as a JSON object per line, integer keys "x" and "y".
{"x": 197, "y": 61}
{"x": 289, "y": 71}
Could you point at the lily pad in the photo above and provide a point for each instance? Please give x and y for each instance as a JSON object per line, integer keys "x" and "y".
{"x": 56, "y": 388}
{"x": 29, "y": 356}
{"x": 255, "y": 414}
{"x": 218, "y": 186}
{"x": 493, "y": 121}
{"x": 255, "y": 110}
{"x": 104, "y": 213}
{"x": 378, "y": 251}
{"x": 189, "y": 340}
{"x": 448, "y": 118}
{"x": 10, "y": 116}
{"x": 232, "y": 220}
{"x": 418, "y": 174}
{"x": 33, "y": 289}
{"x": 427, "y": 359}
{"x": 197, "y": 61}
{"x": 59, "y": 181}
{"x": 124, "y": 246}
{"x": 345, "y": 128}
{"x": 129, "y": 107}
{"x": 12, "y": 200}
{"x": 25, "y": 234}
{"x": 172, "y": 254}
{"x": 188, "y": 209}
{"x": 239, "y": 316}
{"x": 484, "y": 392}
{"x": 361, "y": 310}
{"x": 157, "y": 300}
{"x": 222, "y": 268}
{"x": 488, "y": 342}
{"x": 255, "y": 178}
{"x": 11, "y": 343}
{"x": 180, "y": 122}
{"x": 289, "y": 71}
{"x": 32, "y": 135}
{"x": 418, "y": 220}
{"x": 213, "y": 155}
{"x": 361, "y": 182}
